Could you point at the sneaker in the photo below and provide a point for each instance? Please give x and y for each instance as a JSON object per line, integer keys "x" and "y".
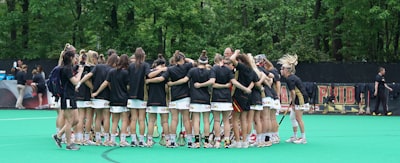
{"x": 190, "y": 145}
{"x": 123, "y": 144}
{"x": 88, "y": 142}
{"x": 133, "y": 144}
{"x": 149, "y": 143}
{"x": 259, "y": 144}
{"x": 110, "y": 144}
{"x": 142, "y": 144}
{"x": 227, "y": 143}
{"x": 57, "y": 140}
{"x": 379, "y": 114}
{"x": 291, "y": 140}
{"x": 235, "y": 145}
{"x": 98, "y": 143}
{"x": 300, "y": 141}
{"x": 267, "y": 144}
{"x": 172, "y": 145}
{"x": 373, "y": 113}
{"x": 72, "y": 147}
{"x": 389, "y": 113}
{"x": 208, "y": 145}
{"x": 217, "y": 144}
{"x": 196, "y": 145}
{"x": 245, "y": 144}
{"x": 275, "y": 140}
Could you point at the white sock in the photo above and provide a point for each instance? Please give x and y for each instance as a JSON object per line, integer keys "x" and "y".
{"x": 259, "y": 138}
{"x": 295, "y": 134}
{"x": 107, "y": 137}
{"x": 303, "y": 135}
{"x": 98, "y": 136}
{"x": 217, "y": 138}
{"x": 87, "y": 136}
{"x": 189, "y": 138}
{"x": 150, "y": 138}
{"x": 113, "y": 137}
{"x": 141, "y": 138}
{"x": 123, "y": 138}
{"x": 172, "y": 137}
{"x": 133, "y": 137}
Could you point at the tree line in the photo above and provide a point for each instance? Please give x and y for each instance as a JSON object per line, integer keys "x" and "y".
{"x": 316, "y": 30}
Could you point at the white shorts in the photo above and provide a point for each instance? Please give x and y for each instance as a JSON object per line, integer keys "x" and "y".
{"x": 181, "y": 104}
{"x": 256, "y": 107}
{"x": 100, "y": 104}
{"x": 84, "y": 104}
{"x": 221, "y": 106}
{"x": 157, "y": 109}
{"x": 304, "y": 107}
{"x": 200, "y": 108}
{"x": 57, "y": 105}
{"x": 276, "y": 105}
{"x": 118, "y": 109}
{"x": 267, "y": 101}
{"x": 136, "y": 104}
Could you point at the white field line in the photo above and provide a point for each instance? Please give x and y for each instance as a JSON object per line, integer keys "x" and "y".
{"x": 21, "y": 119}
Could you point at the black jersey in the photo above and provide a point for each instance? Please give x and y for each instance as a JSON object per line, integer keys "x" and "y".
{"x": 157, "y": 94}
{"x": 175, "y": 73}
{"x": 41, "y": 83}
{"x": 99, "y": 75}
{"x": 118, "y": 80}
{"x": 245, "y": 77}
{"x": 84, "y": 93}
{"x": 69, "y": 89}
{"x": 223, "y": 75}
{"x": 21, "y": 77}
{"x": 199, "y": 75}
{"x": 137, "y": 77}
{"x": 381, "y": 82}
{"x": 294, "y": 83}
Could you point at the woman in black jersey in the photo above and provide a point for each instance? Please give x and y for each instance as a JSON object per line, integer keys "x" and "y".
{"x": 298, "y": 96}
{"x": 221, "y": 101}
{"x": 180, "y": 98}
{"x": 39, "y": 85}
{"x": 157, "y": 101}
{"x": 101, "y": 101}
{"x": 243, "y": 85}
{"x": 199, "y": 79}
{"x": 276, "y": 105}
{"x": 256, "y": 106}
{"x": 84, "y": 104}
{"x": 68, "y": 80}
{"x": 138, "y": 72}
{"x": 117, "y": 80}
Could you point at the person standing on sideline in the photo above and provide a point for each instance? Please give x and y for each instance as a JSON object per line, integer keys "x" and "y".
{"x": 39, "y": 85}
{"x": 21, "y": 81}
{"x": 68, "y": 80}
{"x": 298, "y": 97}
{"x": 380, "y": 86}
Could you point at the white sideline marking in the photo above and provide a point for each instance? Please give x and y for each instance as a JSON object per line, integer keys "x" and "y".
{"x": 20, "y": 119}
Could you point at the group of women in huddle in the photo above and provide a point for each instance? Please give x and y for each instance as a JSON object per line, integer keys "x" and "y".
{"x": 239, "y": 91}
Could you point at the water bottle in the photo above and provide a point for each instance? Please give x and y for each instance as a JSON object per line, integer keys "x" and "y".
{"x": 15, "y": 64}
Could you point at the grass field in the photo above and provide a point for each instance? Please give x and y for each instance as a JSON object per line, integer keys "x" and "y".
{"x": 26, "y": 137}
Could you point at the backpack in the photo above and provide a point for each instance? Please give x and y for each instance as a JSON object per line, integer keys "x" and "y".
{"x": 54, "y": 82}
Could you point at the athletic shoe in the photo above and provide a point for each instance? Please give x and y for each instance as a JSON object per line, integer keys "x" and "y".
{"x": 190, "y": 145}
{"x": 196, "y": 145}
{"x": 227, "y": 143}
{"x": 300, "y": 141}
{"x": 389, "y": 113}
{"x": 133, "y": 144}
{"x": 235, "y": 145}
{"x": 373, "y": 113}
{"x": 291, "y": 140}
{"x": 150, "y": 143}
{"x": 172, "y": 145}
{"x": 123, "y": 144}
{"x": 259, "y": 144}
{"x": 142, "y": 144}
{"x": 88, "y": 142}
{"x": 72, "y": 147}
{"x": 98, "y": 143}
{"x": 245, "y": 144}
{"x": 267, "y": 144}
{"x": 207, "y": 145}
{"x": 217, "y": 144}
{"x": 57, "y": 140}
{"x": 379, "y": 114}
{"x": 275, "y": 140}
{"x": 110, "y": 144}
